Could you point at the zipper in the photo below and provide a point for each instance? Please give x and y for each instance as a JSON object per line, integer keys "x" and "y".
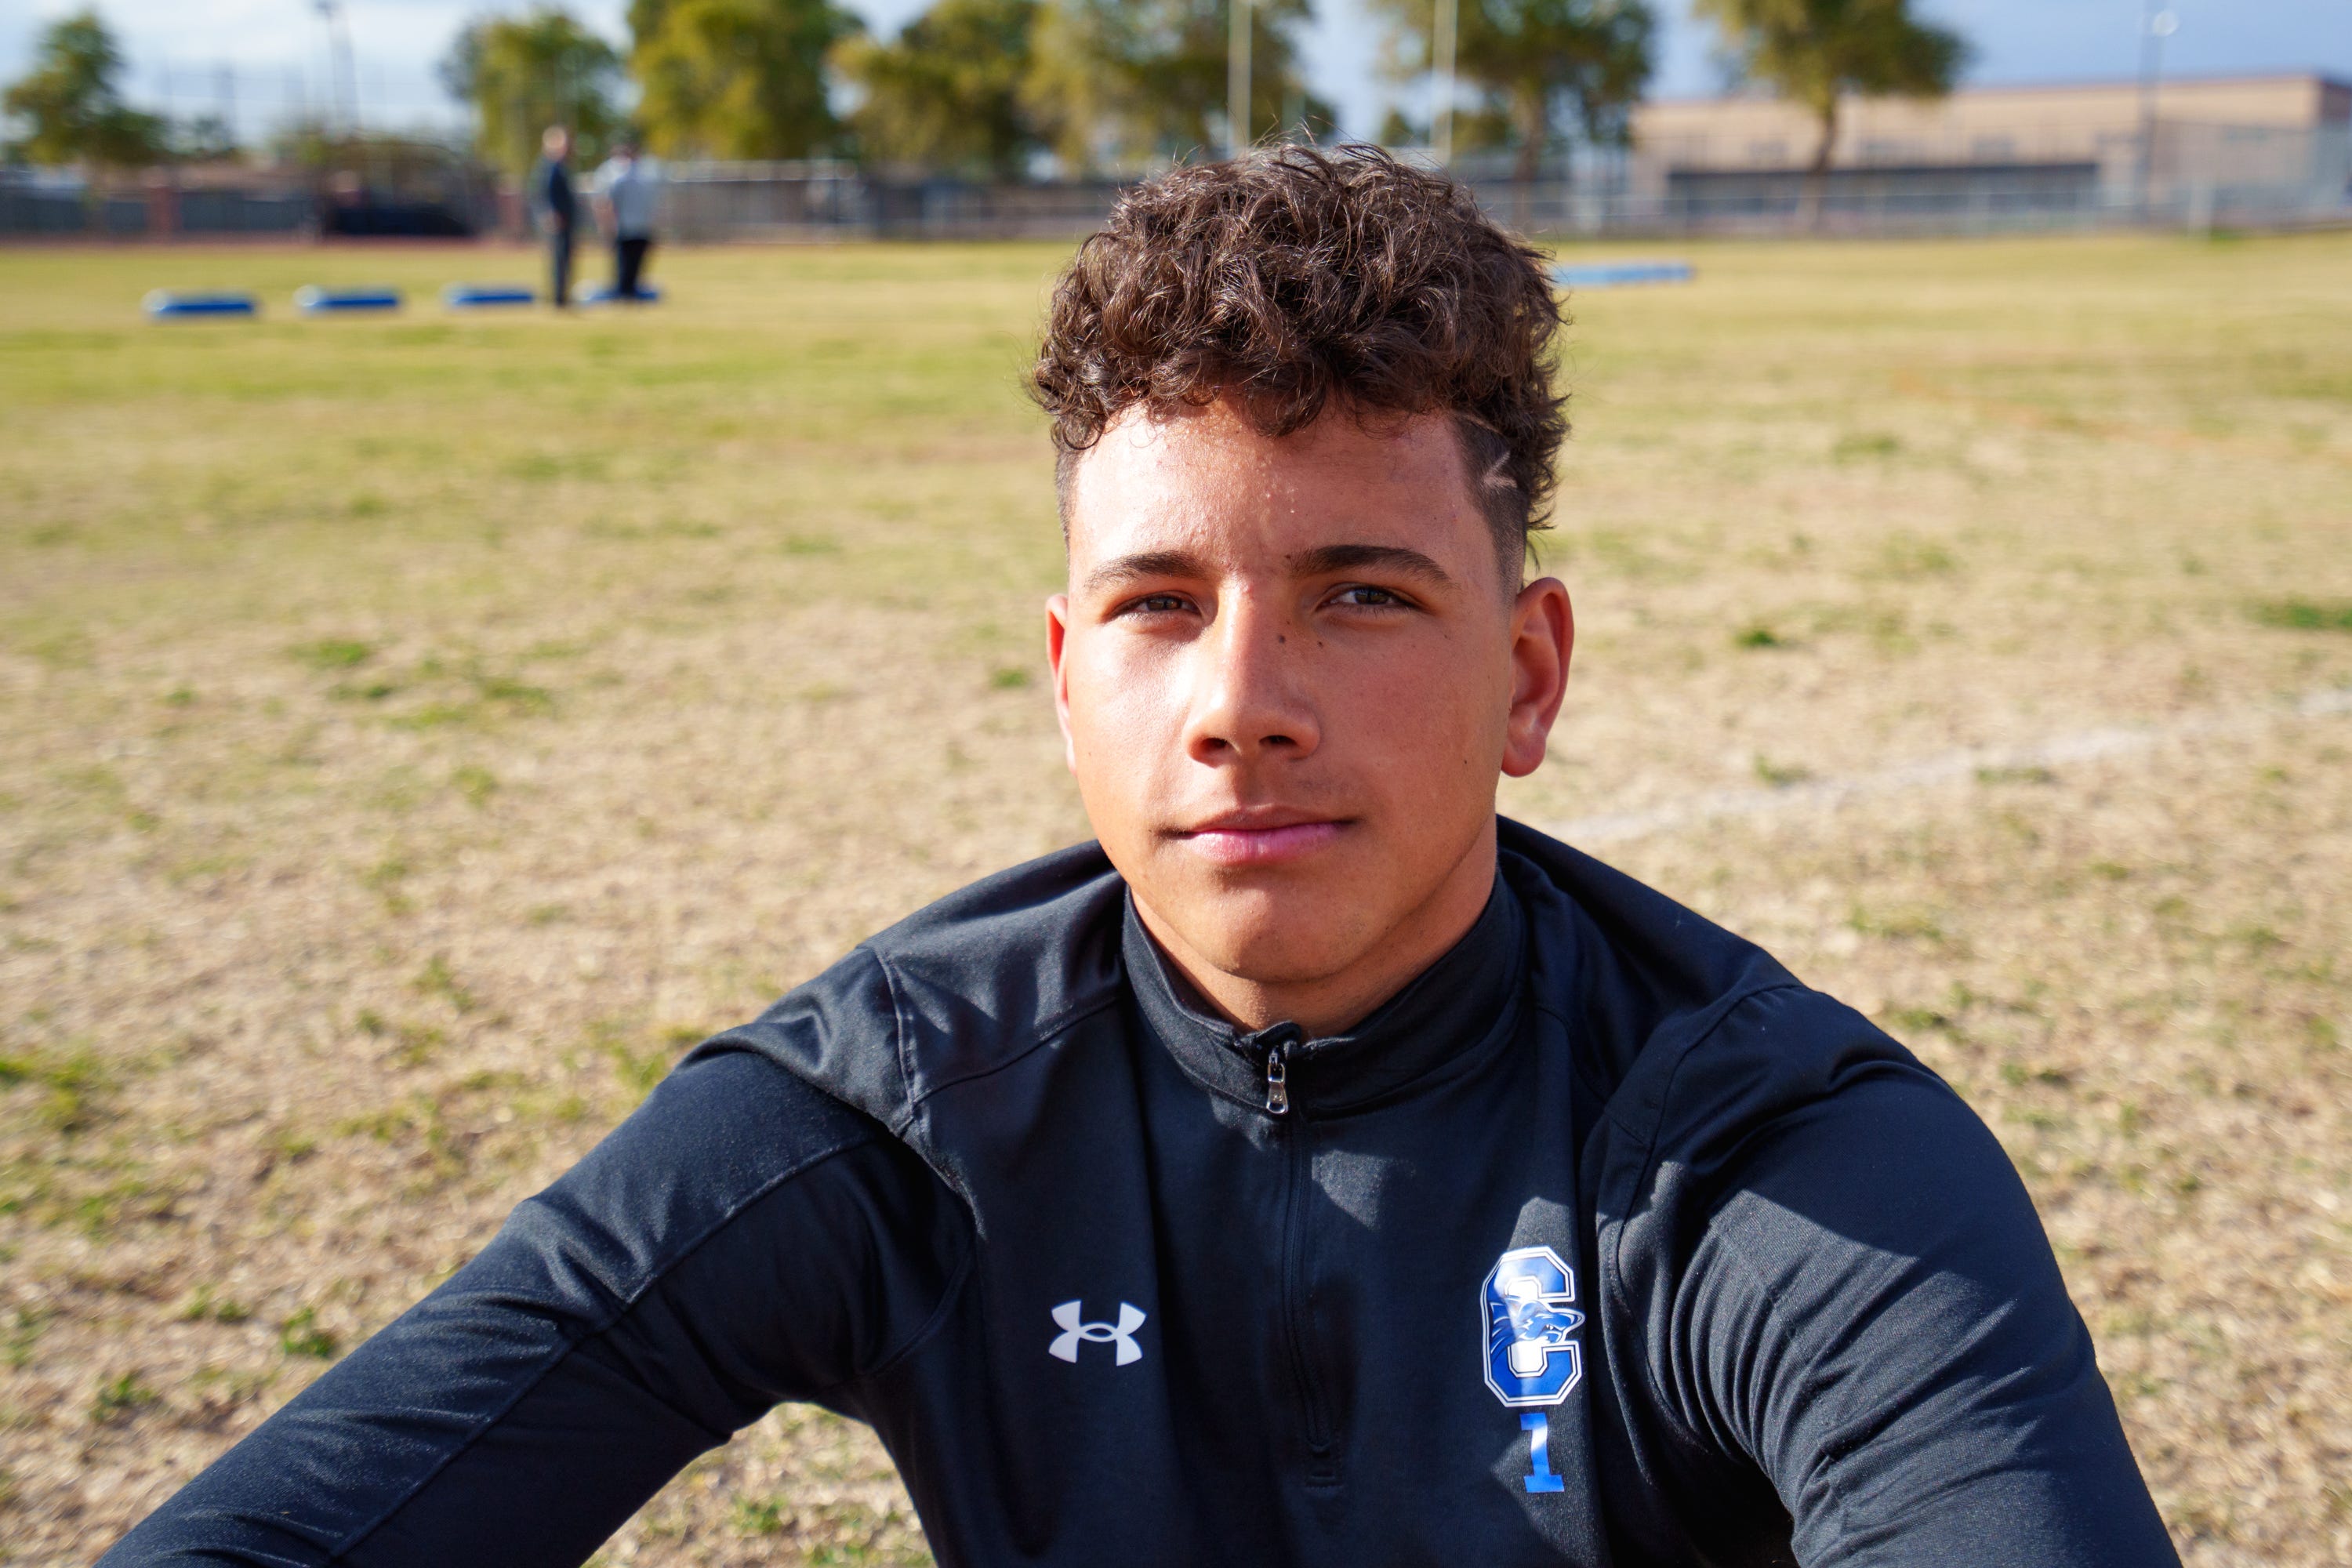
{"x": 1322, "y": 1468}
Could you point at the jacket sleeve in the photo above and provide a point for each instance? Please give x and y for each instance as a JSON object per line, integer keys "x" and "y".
{"x": 1875, "y": 1318}
{"x": 740, "y": 1240}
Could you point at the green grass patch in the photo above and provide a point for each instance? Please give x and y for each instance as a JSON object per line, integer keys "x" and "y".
{"x": 119, "y": 1397}
{"x": 334, "y": 653}
{"x": 1862, "y": 444}
{"x": 2306, "y": 614}
{"x": 438, "y": 979}
{"x": 68, "y": 1083}
{"x": 25, "y": 1327}
{"x": 300, "y": 1335}
{"x": 204, "y": 1305}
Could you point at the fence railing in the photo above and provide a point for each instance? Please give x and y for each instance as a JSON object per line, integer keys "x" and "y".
{"x": 2193, "y": 176}
{"x": 712, "y": 201}
{"x": 61, "y": 213}
{"x": 2187, "y": 176}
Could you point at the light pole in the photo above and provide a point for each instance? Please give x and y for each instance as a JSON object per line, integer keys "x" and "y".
{"x": 1441, "y": 57}
{"x": 343, "y": 76}
{"x": 2154, "y": 27}
{"x": 1237, "y": 82}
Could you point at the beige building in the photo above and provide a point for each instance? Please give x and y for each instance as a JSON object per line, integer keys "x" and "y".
{"x": 1976, "y": 125}
{"x": 2069, "y": 146}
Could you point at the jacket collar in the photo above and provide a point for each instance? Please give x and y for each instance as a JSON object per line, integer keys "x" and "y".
{"x": 1464, "y": 999}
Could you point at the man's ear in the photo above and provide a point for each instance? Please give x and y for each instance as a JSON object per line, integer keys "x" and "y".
{"x": 1057, "y": 644}
{"x": 1543, "y": 636}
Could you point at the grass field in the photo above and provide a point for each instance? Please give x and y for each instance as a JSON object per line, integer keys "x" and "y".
{"x": 414, "y": 733}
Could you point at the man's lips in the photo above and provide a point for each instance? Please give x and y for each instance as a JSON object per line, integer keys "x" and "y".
{"x": 1249, "y": 840}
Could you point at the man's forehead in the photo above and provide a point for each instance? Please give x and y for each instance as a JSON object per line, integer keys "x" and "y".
{"x": 1221, "y": 432}
{"x": 1208, "y": 482}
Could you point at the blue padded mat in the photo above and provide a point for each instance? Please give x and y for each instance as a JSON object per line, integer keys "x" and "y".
{"x": 312, "y": 300}
{"x": 1619, "y": 274}
{"x": 162, "y": 304}
{"x": 466, "y": 296}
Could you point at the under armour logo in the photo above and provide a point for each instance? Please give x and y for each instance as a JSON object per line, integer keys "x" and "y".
{"x": 1070, "y": 1316}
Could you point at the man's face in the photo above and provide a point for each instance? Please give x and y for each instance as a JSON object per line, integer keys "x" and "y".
{"x": 1289, "y": 673}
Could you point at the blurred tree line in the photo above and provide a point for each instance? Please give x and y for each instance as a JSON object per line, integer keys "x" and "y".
{"x": 71, "y": 110}
{"x": 1000, "y": 88}
{"x": 987, "y": 88}
{"x": 1004, "y": 88}
{"x": 1541, "y": 66}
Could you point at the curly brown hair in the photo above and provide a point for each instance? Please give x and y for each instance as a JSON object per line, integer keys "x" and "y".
{"x": 1295, "y": 278}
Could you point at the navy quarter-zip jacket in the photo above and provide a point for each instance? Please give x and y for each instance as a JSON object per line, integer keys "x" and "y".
{"x": 1604, "y": 1242}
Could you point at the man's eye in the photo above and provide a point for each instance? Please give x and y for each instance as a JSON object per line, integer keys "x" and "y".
{"x": 1359, "y": 595}
{"x": 1156, "y": 604}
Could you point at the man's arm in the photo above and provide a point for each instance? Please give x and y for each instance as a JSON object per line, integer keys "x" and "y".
{"x": 739, "y": 1241}
{"x": 1874, "y": 1316}
{"x": 1878, "y": 1322}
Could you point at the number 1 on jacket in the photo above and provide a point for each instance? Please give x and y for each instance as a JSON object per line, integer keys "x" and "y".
{"x": 1539, "y": 1429}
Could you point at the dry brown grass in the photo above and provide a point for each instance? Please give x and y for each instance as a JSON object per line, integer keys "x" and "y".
{"x": 413, "y": 733}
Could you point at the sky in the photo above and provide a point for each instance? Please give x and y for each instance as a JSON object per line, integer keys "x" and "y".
{"x": 261, "y": 59}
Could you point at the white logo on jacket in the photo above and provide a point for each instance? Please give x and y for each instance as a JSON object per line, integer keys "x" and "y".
{"x": 1070, "y": 1317}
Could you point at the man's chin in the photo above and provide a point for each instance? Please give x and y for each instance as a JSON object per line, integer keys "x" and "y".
{"x": 1263, "y": 938}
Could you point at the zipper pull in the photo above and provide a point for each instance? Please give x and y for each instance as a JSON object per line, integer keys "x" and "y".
{"x": 1277, "y": 1081}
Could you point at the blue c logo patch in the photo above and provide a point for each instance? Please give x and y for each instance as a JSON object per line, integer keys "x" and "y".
{"x": 1528, "y": 1302}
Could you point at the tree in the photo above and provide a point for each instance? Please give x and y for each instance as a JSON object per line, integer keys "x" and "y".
{"x": 203, "y": 138}
{"x": 1122, "y": 81}
{"x": 1539, "y": 60}
{"x": 523, "y": 74}
{"x": 1812, "y": 52}
{"x": 738, "y": 79}
{"x": 71, "y": 102}
{"x": 947, "y": 92}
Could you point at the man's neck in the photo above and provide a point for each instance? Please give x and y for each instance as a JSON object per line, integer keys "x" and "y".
{"x": 1334, "y": 1002}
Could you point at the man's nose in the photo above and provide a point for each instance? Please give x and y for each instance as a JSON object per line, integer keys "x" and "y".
{"x": 1249, "y": 699}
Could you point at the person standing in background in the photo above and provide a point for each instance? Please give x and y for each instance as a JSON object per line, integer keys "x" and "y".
{"x": 553, "y": 199}
{"x": 627, "y": 189}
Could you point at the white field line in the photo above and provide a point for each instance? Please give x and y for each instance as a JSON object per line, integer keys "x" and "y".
{"x": 1828, "y": 795}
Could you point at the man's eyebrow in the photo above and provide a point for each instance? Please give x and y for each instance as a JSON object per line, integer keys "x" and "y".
{"x": 1329, "y": 558}
{"x": 1320, "y": 562}
{"x": 1143, "y": 563}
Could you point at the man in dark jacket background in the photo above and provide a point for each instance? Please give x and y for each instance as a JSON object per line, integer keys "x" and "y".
{"x": 1316, "y": 1169}
{"x": 557, "y": 207}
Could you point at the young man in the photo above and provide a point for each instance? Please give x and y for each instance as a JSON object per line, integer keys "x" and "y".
{"x": 1315, "y": 1170}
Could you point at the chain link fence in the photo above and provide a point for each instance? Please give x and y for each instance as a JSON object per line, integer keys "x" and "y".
{"x": 2185, "y": 175}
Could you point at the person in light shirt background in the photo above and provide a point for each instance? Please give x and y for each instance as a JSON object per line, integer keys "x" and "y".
{"x": 627, "y": 191}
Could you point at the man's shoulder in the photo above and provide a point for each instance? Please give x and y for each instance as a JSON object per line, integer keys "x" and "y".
{"x": 1633, "y": 972}
{"x": 956, "y": 989}
{"x": 1692, "y": 1035}
{"x": 1035, "y": 947}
